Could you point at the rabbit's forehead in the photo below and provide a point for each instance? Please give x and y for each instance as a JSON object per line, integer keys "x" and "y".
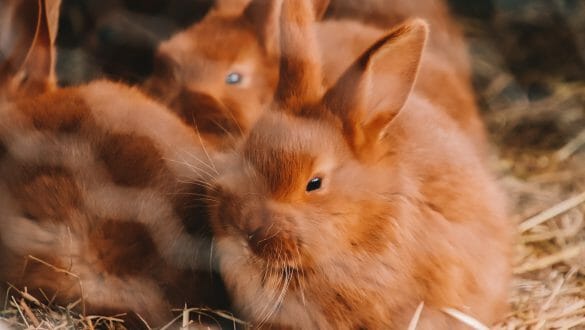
{"x": 281, "y": 171}
{"x": 222, "y": 40}
{"x": 286, "y": 151}
{"x": 277, "y": 130}
{"x": 272, "y": 150}
{"x": 218, "y": 55}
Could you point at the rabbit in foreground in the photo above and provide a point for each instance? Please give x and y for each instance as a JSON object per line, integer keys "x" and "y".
{"x": 95, "y": 203}
{"x": 347, "y": 206}
{"x": 220, "y": 73}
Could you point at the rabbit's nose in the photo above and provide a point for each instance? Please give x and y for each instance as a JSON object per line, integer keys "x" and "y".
{"x": 263, "y": 241}
{"x": 260, "y": 225}
{"x": 273, "y": 243}
{"x": 269, "y": 236}
{"x": 267, "y": 231}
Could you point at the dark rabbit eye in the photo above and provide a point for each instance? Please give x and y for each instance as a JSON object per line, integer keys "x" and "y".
{"x": 314, "y": 184}
{"x": 233, "y": 78}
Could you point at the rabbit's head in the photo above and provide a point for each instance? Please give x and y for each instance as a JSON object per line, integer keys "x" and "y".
{"x": 218, "y": 73}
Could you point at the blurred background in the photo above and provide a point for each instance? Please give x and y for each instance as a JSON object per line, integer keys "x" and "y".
{"x": 528, "y": 59}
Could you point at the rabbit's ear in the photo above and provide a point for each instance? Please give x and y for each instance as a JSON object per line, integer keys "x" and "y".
{"x": 300, "y": 80}
{"x": 375, "y": 88}
{"x": 320, "y": 8}
{"x": 264, "y": 16}
{"x": 53, "y": 8}
{"x": 230, "y": 7}
{"x": 27, "y": 33}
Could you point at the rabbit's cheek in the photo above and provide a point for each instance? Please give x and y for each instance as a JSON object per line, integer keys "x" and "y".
{"x": 244, "y": 109}
{"x": 206, "y": 112}
{"x": 265, "y": 97}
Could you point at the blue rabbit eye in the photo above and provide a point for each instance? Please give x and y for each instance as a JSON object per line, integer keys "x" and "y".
{"x": 314, "y": 184}
{"x": 233, "y": 78}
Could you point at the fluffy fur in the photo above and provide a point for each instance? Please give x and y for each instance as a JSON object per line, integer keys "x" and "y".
{"x": 191, "y": 69}
{"x": 241, "y": 36}
{"x": 96, "y": 203}
{"x": 406, "y": 212}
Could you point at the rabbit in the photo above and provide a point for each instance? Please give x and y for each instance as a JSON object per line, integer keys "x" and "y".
{"x": 347, "y": 206}
{"x": 96, "y": 188}
{"x": 221, "y": 72}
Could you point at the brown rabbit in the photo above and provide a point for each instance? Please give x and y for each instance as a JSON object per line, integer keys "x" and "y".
{"x": 220, "y": 73}
{"x": 346, "y": 207}
{"x": 95, "y": 199}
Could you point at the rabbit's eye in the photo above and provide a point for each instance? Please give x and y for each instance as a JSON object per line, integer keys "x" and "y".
{"x": 314, "y": 184}
{"x": 233, "y": 78}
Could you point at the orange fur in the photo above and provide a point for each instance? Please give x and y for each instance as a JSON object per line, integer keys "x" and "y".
{"x": 193, "y": 64}
{"x": 437, "y": 69}
{"x": 191, "y": 68}
{"x": 406, "y": 212}
{"x": 93, "y": 186}
{"x": 446, "y": 38}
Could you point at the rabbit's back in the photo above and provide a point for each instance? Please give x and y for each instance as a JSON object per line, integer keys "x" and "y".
{"x": 93, "y": 204}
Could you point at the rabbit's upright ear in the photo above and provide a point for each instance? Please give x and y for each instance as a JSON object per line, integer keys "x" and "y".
{"x": 300, "y": 79}
{"x": 264, "y": 16}
{"x": 375, "y": 88}
{"x": 320, "y": 8}
{"x": 53, "y": 8}
{"x": 230, "y": 7}
{"x": 27, "y": 57}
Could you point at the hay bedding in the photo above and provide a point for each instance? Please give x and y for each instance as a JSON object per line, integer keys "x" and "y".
{"x": 529, "y": 71}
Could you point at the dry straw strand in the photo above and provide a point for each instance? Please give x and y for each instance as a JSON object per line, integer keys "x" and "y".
{"x": 552, "y": 212}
